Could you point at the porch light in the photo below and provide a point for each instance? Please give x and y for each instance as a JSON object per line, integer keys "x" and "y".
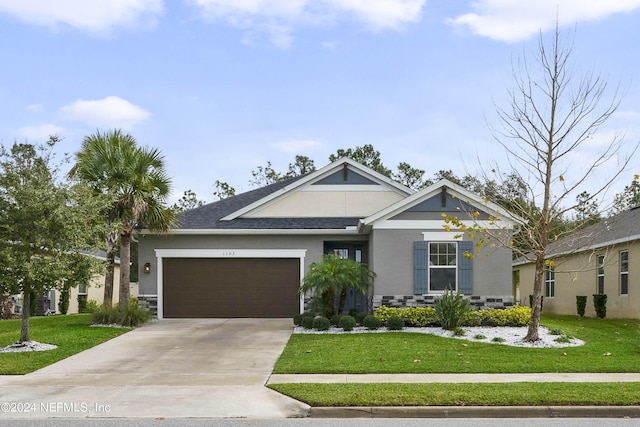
{"x": 147, "y": 267}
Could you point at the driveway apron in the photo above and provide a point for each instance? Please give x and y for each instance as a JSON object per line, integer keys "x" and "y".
{"x": 214, "y": 368}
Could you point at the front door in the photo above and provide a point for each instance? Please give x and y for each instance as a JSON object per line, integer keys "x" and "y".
{"x": 355, "y": 252}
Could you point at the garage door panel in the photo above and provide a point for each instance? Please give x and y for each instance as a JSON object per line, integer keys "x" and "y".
{"x": 230, "y": 287}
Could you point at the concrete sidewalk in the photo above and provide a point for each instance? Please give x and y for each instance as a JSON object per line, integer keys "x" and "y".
{"x": 465, "y": 411}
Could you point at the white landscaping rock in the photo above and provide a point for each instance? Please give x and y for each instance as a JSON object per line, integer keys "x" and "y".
{"x": 20, "y": 347}
{"x": 513, "y": 336}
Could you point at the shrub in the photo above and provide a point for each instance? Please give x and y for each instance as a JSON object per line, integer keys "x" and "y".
{"x": 556, "y": 331}
{"x": 106, "y": 315}
{"x": 395, "y": 323}
{"x": 63, "y": 304}
{"x": 600, "y": 304}
{"x": 451, "y": 310}
{"x": 384, "y": 313}
{"x": 520, "y": 315}
{"x": 581, "y": 304}
{"x": 82, "y": 303}
{"x": 92, "y": 306}
{"x": 516, "y": 316}
{"x": 563, "y": 339}
{"x": 354, "y": 312}
{"x": 297, "y": 319}
{"x": 476, "y": 317}
{"x": 420, "y": 316}
{"x": 347, "y": 323}
{"x": 498, "y": 339}
{"x": 360, "y": 317}
{"x": 459, "y": 332}
{"x": 134, "y": 315}
{"x": 371, "y": 322}
{"x": 335, "y": 319}
{"x": 321, "y": 323}
{"x": 480, "y": 337}
{"x": 307, "y": 321}
{"x": 6, "y": 307}
{"x": 317, "y": 306}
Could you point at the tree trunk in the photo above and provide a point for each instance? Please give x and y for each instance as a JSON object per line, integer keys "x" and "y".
{"x": 534, "y": 323}
{"x": 125, "y": 270}
{"x": 26, "y": 313}
{"x": 112, "y": 239}
{"x": 343, "y": 300}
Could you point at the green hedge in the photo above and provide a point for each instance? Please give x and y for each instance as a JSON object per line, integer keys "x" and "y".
{"x": 426, "y": 316}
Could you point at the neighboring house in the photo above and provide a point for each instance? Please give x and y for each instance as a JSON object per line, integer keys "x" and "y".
{"x": 245, "y": 256}
{"x": 48, "y": 303}
{"x": 599, "y": 259}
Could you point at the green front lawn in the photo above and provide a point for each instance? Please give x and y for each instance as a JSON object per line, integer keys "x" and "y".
{"x": 612, "y": 345}
{"x": 491, "y": 394}
{"x": 72, "y": 334}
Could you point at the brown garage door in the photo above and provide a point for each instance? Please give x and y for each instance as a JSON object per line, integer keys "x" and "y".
{"x": 230, "y": 287}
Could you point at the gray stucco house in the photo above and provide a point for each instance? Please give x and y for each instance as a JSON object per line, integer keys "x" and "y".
{"x": 245, "y": 256}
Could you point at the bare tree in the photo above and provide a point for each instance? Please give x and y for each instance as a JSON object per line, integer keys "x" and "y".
{"x": 552, "y": 116}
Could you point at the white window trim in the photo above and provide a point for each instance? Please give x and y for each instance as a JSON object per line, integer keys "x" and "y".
{"x": 598, "y": 275}
{"x": 548, "y": 281}
{"x": 626, "y": 273}
{"x": 429, "y": 266}
{"x": 161, "y": 254}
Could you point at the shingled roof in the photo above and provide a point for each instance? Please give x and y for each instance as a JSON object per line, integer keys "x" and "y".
{"x": 209, "y": 216}
{"x": 620, "y": 228}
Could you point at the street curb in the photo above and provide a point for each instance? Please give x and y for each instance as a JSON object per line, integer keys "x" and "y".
{"x": 476, "y": 412}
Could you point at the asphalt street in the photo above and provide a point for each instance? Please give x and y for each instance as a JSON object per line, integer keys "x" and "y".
{"x": 307, "y": 422}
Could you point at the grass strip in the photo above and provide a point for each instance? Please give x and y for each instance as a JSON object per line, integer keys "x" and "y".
{"x": 486, "y": 394}
{"x": 71, "y": 333}
{"x": 612, "y": 345}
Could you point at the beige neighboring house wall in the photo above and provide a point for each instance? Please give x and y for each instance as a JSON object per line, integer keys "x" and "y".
{"x": 95, "y": 291}
{"x": 577, "y": 274}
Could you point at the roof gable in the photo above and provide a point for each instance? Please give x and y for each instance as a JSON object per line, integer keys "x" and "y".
{"x": 346, "y": 176}
{"x": 344, "y": 188}
{"x": 443, "y": 197}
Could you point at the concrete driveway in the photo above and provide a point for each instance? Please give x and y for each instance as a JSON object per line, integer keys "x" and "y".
{"x": 213, "y": 368}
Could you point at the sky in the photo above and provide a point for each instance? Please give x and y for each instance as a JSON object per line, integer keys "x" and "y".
{"x": 221, "y": 87}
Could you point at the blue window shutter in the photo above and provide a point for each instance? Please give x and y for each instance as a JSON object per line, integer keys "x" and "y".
{"x": 420, "y": 266}
{"x": 465, "y": 268}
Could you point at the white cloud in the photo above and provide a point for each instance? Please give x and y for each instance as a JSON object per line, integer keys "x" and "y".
{"x": 296, "y": 146}
{"x": 381, "y": 14}
{"x": 39, "y": 132}
{"x": 97, "y": 17}
{"x": 111, "y": 111}
{"x": 511, "y": 21}
{"x": 279, "y": 18}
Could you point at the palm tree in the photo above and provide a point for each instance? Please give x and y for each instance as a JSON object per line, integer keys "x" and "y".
{"x": 113, "y": 164}
{"x": 332, "y": 277}
{"x": 141, "y": 200}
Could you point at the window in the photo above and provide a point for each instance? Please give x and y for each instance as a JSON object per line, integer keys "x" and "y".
{"x": 549, "y": 282}
{"x": 600, "y": 274}
{"x": 82, "y": 289}
{"x": 342, "y": 253}
{"x": 624, "y": 273}
{"x": 443, "y": 262}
